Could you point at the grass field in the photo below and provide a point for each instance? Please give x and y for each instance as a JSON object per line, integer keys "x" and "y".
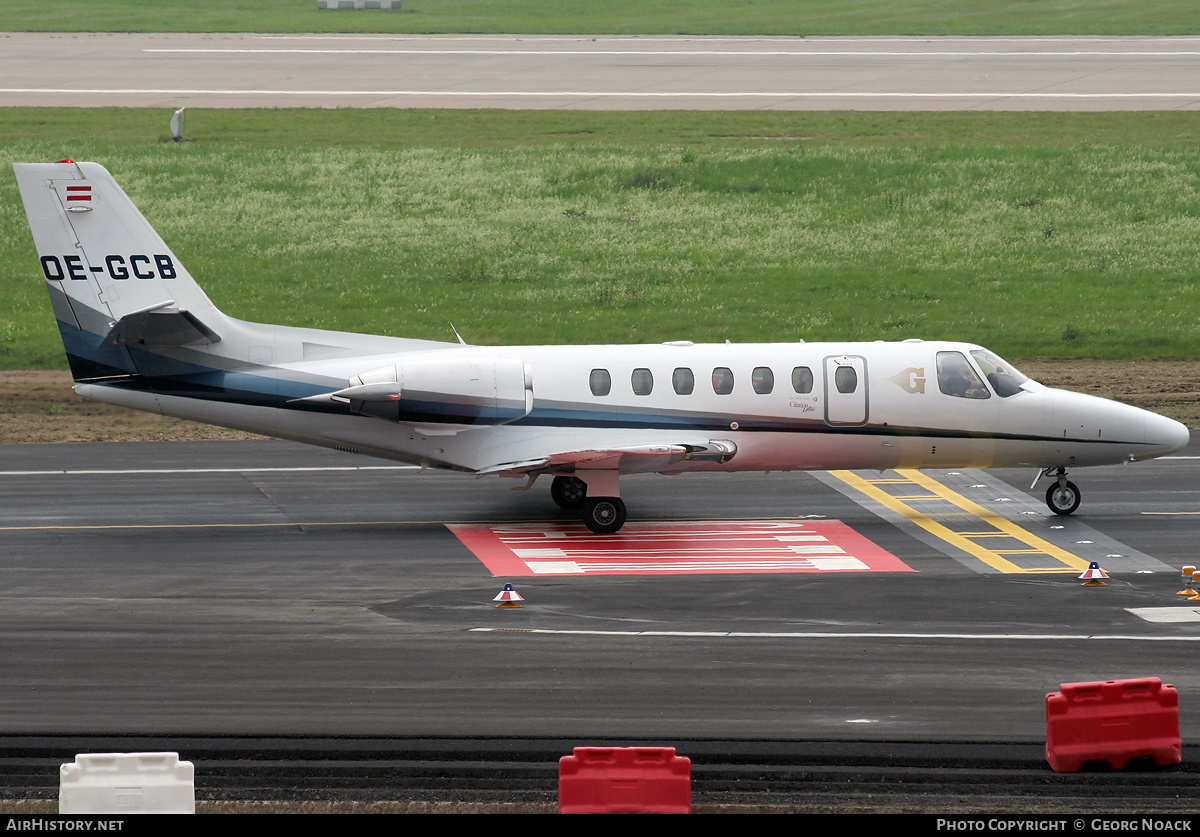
{"x": 695, "y": 17}
{"x": 1011, "y": 230}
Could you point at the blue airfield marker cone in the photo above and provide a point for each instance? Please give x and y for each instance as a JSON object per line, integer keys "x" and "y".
{"x": 508, "y": 597}
{"x": 1094, "y": 575}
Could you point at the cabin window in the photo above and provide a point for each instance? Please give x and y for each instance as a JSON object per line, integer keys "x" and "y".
{"x": 722, "y": 379}
{"x": 958, "y": 378}
{"x": 643, "y": 382}
{"x": 802, "y": 379}
{"x": 763, "y": 380}
{"x": 845, "y": 379}
{"x": 683, "y": 380}
{"x": 1004, "y": 378}
{"x": 600, "y": 382}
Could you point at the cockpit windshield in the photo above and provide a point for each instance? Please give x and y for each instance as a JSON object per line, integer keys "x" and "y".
{"x": 1003, "y": 376}
{"x": 957, "y": 378}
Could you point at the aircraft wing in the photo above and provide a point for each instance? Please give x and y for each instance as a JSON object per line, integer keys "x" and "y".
{"x": 638, "y": 459}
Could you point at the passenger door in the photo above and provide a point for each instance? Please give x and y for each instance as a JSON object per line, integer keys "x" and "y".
{"x": 846, "y": 390}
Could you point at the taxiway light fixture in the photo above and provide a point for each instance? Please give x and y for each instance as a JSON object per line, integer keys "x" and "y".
{"x": 508, "y": 597}
{"x": 1093, "y": 576}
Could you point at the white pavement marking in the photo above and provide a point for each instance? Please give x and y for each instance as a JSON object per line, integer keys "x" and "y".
{"x": 847, "y": 635}
{"x": 689, "y": 53}
{"x": 1166, "y": 614}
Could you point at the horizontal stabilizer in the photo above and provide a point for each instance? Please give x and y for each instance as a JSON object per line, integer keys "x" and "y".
{"x": 161, "y": 325}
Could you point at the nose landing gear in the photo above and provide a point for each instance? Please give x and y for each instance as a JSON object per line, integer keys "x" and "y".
{"x": 1062, "y": 496}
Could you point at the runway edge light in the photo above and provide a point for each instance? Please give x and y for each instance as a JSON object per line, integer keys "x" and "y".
{"x": 1093, "y": 576}
{"x": 508, "y": 597}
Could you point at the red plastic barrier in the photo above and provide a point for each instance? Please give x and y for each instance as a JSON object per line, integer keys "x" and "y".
{"x": 624, "y": 780}
{"x": 1112, "y": 721}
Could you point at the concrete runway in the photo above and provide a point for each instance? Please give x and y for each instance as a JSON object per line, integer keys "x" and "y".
{"x": 604, "y": 73}
{"x": 268, "y": 588}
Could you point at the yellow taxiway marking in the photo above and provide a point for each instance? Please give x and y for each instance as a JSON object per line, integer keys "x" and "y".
{"x": 991, "y": 524}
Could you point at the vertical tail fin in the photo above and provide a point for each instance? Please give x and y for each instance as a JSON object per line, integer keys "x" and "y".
{"x": 113, "y": 282}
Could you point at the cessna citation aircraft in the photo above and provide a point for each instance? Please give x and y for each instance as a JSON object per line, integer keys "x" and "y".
{"x": 139, "y": 332}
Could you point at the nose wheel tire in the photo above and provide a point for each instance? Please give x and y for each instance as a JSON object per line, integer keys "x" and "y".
{"x": 568, "y": 492}
{"x": 1063, "y": 499}
{"x": 604, "y": 515}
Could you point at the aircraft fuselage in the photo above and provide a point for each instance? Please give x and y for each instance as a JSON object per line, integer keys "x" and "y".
{"x": 895, "y": 416}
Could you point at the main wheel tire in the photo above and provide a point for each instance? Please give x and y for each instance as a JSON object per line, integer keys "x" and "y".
{"x": 604, "y": 515}
{"x": 1063, "y": 499}
{"x": 568, "y": 492}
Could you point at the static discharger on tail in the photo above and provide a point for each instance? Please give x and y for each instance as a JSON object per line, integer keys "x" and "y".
{"x": 139, "y": 332}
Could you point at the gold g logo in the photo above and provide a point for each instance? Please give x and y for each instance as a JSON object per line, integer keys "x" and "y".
{"x": 911, "y": 380}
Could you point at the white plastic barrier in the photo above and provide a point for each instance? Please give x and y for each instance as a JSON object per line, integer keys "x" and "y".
{"x": 127, "y": 783}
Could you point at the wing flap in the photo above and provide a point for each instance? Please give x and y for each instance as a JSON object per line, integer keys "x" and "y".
{"x": 627, "y": 460}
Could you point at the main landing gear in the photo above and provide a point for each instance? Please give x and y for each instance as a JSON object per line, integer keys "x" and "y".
{"x": 603, "y": 515}
{"x": 568, "y": 492}
{"x": 1063, "y": 495}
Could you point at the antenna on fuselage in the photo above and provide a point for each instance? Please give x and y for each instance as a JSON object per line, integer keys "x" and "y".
{"x": 459, "y": 336}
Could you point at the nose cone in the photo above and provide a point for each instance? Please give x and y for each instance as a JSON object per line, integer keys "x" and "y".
{"x": 1164, "y": 435}
{"x": 1096, "y": 431}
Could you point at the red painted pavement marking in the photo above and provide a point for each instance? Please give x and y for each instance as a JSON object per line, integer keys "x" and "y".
{"x": 710, "y": 547}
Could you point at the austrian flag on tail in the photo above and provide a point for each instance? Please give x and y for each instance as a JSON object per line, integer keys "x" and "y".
{"x": 76, "y": 195}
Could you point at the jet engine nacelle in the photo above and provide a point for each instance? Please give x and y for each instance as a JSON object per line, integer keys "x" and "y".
{"x": 483, "y": 391}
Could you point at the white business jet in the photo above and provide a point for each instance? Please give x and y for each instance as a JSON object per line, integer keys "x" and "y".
{"x": 139, "y": 332}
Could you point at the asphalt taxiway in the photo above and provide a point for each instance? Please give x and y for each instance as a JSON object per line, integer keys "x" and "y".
{"x": 268, "y": 588}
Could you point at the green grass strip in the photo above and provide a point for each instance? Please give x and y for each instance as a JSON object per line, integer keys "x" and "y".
{"x": 1059, "y": 235}
{"x": 663, "y": 17}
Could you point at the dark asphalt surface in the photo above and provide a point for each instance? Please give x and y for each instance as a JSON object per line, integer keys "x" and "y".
{"x": 335, "y": 602}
